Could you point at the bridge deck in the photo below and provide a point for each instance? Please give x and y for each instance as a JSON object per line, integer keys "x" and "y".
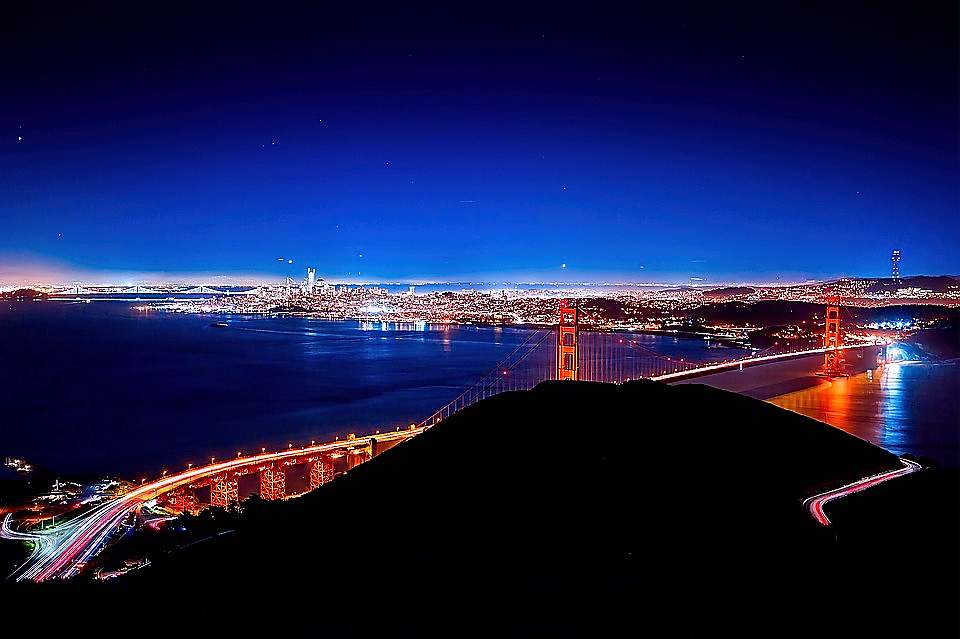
{"x": 784, "y": 376}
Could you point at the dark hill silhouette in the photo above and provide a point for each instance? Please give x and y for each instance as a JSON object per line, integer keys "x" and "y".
{"x": 781, "y": 312}
{"x": 556, "y": 510}
{"x": 936, "y": 283}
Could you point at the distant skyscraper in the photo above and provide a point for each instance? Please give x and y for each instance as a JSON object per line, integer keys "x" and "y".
{"x": 895, "y": 265}
{"x": 311, "y": 279}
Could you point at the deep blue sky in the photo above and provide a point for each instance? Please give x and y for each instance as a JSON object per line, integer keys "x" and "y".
{"x": 722, "y": 141}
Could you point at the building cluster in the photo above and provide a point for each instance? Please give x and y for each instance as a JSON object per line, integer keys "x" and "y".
{"x": 374, "y": 303}
{"x": 636, "y": 309}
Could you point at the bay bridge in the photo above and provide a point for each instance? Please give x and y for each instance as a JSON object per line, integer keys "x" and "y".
{"x": 567, "y": 351}
{"x": 132, "y": 293}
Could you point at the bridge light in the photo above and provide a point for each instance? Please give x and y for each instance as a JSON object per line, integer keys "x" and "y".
{"x": 211, "y": 459}
{"x": 238, "y": 453}
{"x": 164, "y": 473}
{"x": 189, "y": 465}
{"x": 290, "y": 445}
{"x": 263, "y": 449}
{"x": 313, "y": 442}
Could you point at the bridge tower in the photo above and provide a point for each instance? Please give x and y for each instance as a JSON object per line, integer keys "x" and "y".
{"x": 273, "y": 483}
{"x": 224, "y": 491}
{"x": 321, "y": 472}
{"x": 833, "y": 364}
{"x": 568, "y": 355}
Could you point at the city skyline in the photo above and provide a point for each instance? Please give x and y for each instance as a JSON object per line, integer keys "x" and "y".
{"x": 466, "y": 147}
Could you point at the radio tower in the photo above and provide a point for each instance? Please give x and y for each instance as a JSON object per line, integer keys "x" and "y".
{"x": 568, "y": 331}
{"x": 895, "y": 265}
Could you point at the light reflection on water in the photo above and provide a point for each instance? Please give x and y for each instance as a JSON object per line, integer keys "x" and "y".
{"x": 910, "y": 407}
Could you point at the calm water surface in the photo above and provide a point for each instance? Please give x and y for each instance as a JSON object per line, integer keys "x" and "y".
{"x": 911, "y": 407}
{"x": 102, "y": 387}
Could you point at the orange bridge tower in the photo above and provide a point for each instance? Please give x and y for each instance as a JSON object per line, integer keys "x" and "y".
{"x": 568, "y": 356}
{"x": 833, "y": 364}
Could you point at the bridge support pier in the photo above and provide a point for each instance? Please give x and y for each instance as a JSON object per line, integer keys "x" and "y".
{"x": 184, "y": 500}
{"x": 356, "y": 456}
{"x": 273, "y": 483}
{"x": 321, "y": 472}
{"x": 224, "y": 491}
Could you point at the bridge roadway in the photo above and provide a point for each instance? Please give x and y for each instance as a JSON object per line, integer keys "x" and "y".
{"x": 815, "y": 504}
{"x": 62, "y": 551}
{"x": 778, "y": 375}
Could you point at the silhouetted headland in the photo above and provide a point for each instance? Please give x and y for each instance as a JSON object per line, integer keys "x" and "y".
{"x": 575, "y": 505}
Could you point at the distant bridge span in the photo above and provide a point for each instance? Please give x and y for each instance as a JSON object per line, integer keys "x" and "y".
{"x": 85, "y": 292}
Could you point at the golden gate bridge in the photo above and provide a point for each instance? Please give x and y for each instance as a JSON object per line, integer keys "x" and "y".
{"x": 569, "y": 350}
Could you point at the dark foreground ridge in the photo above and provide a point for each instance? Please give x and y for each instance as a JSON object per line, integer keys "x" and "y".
{"x": 578, "y": 505}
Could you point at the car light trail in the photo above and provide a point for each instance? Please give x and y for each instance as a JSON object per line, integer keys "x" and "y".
{"x": 61, "y": 551}
{"x": 816, "y": 503}
{"x": 38, "y": 540}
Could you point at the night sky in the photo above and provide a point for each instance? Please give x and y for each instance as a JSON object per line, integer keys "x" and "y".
{"x": 726, "y": 141}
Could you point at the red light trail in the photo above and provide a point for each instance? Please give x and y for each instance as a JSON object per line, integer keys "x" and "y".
{"x": 61, "y": 551}
{"x": 816, "y": 503}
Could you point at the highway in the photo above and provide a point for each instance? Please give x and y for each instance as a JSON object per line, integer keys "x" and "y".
{"x": 37, "y": 539}
{"x": 816, "y": 503}
{"x": 62, "y": 550}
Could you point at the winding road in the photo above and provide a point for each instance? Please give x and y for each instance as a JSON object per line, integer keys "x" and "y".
{"x": 816, "y": 503}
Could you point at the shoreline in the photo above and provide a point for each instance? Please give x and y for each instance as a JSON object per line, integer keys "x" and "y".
{"x": 722, "y": 340}
{"x": 725, "y": 341}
